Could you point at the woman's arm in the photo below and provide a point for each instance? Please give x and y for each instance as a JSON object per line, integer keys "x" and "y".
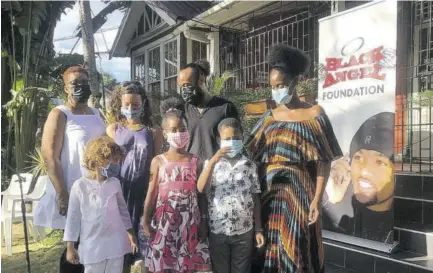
{"x": 157, "y": 141}
{"x": 152, "y": 194}
{"x": 52, "y": 142}
{"x": 73, "y": 221}
{"x": 323, "y": 171}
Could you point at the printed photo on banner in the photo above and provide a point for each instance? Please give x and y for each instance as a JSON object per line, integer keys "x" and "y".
{"x": 357, "y": 76}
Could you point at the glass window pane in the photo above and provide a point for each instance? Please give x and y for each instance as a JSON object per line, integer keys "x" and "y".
{"x": 170, "y": 85}
{"x": 138, "y": 69}
{"x": 198, "y": 51}
{"x": 155, "y": 88}
{"x": 154, "y": 65}
{"x": 170, "y": 59}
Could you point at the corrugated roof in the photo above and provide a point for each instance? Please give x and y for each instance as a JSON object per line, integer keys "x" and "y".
{"x": 184, "y": 10}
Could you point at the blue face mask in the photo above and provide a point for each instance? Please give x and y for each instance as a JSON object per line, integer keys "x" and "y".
{"x": 281, "y": 95}
{"x": 131, "y": 113}
{"x": 235, "y": 145}
{"x": 112, "y": 170}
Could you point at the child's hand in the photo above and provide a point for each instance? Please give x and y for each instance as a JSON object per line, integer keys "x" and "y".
{"x": 260, "y": 240}
{"x": 220, "y": 154}
{"x": 203, "y": 229}
{"x": 72, "y": 256}
{"x": 148, "y": 231}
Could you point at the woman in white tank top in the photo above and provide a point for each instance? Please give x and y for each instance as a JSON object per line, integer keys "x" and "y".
{"x": 66, "y": 132}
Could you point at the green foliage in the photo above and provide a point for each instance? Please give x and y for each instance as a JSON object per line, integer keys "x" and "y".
{"x": 306, "y": 86}
{"x": 23, "y": 111}
{"x": 37, "y": 164}
{"x": 109, "y": 81}
{"x": 216, "y": 84}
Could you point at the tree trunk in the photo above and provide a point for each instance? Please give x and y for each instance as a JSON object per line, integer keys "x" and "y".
{"x": 89, "y": 50}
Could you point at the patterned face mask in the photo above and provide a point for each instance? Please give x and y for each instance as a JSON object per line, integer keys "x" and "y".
{"x": 178, "y": 140}
{"x": 131, "y": 113}
{"x": 81, "y": 92}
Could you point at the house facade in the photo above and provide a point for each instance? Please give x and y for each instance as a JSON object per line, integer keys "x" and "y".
{"x": 234, "y": 35}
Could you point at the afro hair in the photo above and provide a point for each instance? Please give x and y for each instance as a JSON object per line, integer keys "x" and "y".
{"x": 172, "y": 103}
{"x": 288, "y": 59}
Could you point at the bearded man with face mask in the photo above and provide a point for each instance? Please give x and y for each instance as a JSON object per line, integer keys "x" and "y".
{"x": 66, "y": 132}
{"x": 203, "y": 113}
{"x": 202, "y": 110}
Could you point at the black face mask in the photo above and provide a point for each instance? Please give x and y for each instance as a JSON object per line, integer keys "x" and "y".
{"x": 81, "y": 92}
{"x": 192, "y": 94}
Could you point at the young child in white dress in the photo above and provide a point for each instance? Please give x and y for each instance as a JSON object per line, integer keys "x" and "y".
{"x": 97, "y": 213}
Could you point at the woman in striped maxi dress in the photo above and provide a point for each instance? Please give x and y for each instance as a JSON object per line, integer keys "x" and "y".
{"x": 295, "y": 144}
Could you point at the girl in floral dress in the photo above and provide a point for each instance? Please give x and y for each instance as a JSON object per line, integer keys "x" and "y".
{"x": 177, "y": 243}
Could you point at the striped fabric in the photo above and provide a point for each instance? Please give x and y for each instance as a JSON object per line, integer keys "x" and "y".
{"x": 291, "y": 152}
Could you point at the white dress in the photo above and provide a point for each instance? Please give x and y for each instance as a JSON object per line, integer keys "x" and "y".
{"x": 79, "y": 130}
{"x": 97, "y": 214}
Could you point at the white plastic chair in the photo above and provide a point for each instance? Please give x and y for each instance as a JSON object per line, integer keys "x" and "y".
{"x": 11, "y": 207}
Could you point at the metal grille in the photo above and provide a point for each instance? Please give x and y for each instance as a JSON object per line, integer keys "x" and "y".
{"x": 245, "y": 42}
{"x": 414, "y": 128}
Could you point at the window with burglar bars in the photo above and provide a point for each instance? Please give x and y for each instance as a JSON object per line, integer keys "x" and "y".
{"x": 414, "y": 99}
{"x": 245, "y": 42}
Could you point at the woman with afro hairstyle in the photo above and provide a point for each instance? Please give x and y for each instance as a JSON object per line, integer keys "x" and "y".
{"x": 133, "y": 132}
{"x": 295, "y": 144}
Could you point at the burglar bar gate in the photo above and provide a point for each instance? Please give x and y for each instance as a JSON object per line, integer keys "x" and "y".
{"x": 245, "y": 43}
{"x": 414, "y": 95}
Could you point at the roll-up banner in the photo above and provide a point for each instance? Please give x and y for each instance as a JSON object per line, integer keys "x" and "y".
{"x": 357, "y": 83}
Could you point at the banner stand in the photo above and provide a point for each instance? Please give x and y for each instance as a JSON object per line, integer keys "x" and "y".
{"x": 361, "y": 242}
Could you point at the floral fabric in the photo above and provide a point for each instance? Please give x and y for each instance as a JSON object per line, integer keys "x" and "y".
{"x": 176, "y": 245}
{"x": 230, "y": 197}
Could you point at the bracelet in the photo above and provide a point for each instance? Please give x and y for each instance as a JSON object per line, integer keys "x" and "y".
{"x": 259, "y": 230}
{"x": 204, "y": 216}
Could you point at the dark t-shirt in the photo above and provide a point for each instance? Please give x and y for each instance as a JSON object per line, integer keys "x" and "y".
{"x": 203, "y": 127}
{"x": 351, "y": 218}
